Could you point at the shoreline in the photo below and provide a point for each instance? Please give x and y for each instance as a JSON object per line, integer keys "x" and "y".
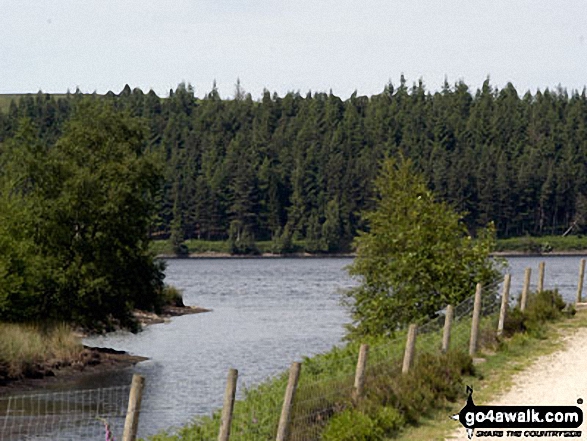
{"x": 90, "y": 360}
{"x": 214, "y": 255}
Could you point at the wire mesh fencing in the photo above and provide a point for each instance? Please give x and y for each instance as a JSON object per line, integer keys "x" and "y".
{"x": 76, "y": 415}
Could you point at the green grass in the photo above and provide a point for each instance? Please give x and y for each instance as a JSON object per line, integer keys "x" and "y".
{"x": 23, "y": 346}
{"x": 200, "y": 246}
{"x": 542, "y": 244}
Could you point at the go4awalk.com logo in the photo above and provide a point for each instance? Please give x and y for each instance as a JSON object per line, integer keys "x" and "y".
{"x": 520, "y": 421}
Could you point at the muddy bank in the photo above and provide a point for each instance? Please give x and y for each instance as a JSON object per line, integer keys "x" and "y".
{"x": 91, "y": 360}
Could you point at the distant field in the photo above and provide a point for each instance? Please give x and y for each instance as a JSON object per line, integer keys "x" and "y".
{"x": 6, "y": 98}
{"x": 5, "y": 101}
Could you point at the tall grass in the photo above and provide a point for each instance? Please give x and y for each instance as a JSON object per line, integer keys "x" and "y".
{"x": 24, "y": 346}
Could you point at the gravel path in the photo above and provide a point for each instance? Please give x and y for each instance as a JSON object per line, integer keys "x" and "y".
{"x": 556, "y": 379}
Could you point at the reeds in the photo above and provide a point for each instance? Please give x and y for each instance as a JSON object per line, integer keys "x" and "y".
{"x": 23, "y": 346}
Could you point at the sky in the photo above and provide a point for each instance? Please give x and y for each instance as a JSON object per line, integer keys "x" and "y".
{"x": 284, "y": 45}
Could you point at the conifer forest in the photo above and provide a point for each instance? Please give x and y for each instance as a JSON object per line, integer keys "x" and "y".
{"x": 302, "y": 166}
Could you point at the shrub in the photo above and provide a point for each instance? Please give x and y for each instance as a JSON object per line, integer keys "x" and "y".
{"x": 433, "y": 379}
{"x": 172, "y": 296}
{"x": 541, "y": 307}
{"x": 352, "y": 425}
{"x": 389, "y": 419}
{"x": 241, "y": 240}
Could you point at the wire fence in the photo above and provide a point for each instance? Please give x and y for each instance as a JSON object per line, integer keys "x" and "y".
{"x": 324, "y": 390}
{"x": 64, "y": 416}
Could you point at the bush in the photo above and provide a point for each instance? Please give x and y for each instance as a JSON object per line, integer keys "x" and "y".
{"x": 389, "y": 419}
{"x": 352, "y": 425}
{"x": 282, "y": 241}
{"x": 181, "y": 249}
{"x": 433, "y": 379}
{"x": 541, "y": 307}
{"x": 241, "y": 240}
{"x": 172, "y": 296}
{"x": 416, "y": 258}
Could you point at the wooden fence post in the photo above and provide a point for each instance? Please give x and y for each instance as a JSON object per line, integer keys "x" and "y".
{"x": 228, "y": 406}
{"x": 526, "y": 289}
{"x": 410, "y": 348}
{"x": 504, "y": 303}
{"x": 290, "y": 392}
{"x": 131, "y": 423}
{"x": 540, "y": 287}
{"x": 580, "y": 283}
{"x": 475, "y": 321}
{"x": 447, "y": 327}
{"x": 360, "y": 372}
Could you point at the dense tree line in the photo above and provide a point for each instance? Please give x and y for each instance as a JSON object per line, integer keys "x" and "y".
{"x": 74, "y": 219}
{"x": 299, "y": 166}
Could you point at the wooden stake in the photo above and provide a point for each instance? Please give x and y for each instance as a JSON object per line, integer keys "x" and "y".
{"x": 131, "y": 423}
{"x": 360, "y": 372}
{"x": 447, "y": 327}
{"x": 526, "y": 289}
{"x": 228, "y": 407}
{"x": 504, "y": 303}
{"x": 410, "y": 348}
{"x": 475, "y": 321}
{"x": 540, "y": 287}
{"x": 580, "y": 283}
{"x": 290, "y": 392}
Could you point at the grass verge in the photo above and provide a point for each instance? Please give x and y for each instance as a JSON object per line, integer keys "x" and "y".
{"x": 24, "y": 347}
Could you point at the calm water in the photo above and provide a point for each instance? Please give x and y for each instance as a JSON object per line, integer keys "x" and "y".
{"x": 266, "y": 314}
{"x": 560, "y": 272}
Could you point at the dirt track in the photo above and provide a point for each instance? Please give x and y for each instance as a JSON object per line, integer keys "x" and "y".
{"x": 556, "y": 379}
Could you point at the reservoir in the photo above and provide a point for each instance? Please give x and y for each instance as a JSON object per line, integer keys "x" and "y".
{"x": 266, "y": 313}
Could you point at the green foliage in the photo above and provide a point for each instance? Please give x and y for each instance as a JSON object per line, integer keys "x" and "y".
{"x": 541, "y": 245}
{"x": 282, "y": 242}
{"x": 309, "y": 161}
{"x": 432, "y": 380}
{"x": 84, "y": 206}
{"x": 172, "y": 296}
{"x": 416, "y": 258}
{"x": 241, "y": 240}
{"x": 389, "y": 419}
{"x": 352, "y": 425}
{"x": 541, "y": 307}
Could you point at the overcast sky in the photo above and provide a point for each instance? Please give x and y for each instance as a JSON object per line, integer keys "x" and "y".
{"x": 283, "y": 45}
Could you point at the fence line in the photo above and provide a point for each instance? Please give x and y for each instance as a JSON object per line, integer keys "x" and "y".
{"x": 69, "y": 415}
{"x": 311, "y": 398}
